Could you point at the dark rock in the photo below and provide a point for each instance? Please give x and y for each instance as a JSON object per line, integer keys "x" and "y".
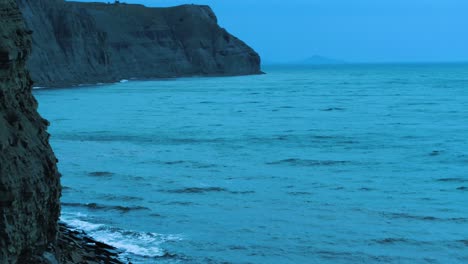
{"x": 50, "y": 258}
{"x": 77, "y": 247}
{"x": 76, "y": 43}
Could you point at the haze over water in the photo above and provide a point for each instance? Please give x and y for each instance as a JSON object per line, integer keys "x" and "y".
{"x": 331, "y": 164}
{"x": 351, "y": 31}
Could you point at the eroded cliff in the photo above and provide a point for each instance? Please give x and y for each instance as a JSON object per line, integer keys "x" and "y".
{"x": 29, "y": 181}
{"x": 76, "y": 43}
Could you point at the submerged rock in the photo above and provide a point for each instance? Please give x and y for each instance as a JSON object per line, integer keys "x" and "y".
{"x": 76, "y": 43}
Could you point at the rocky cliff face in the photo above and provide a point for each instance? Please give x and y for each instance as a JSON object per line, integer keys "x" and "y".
{"x": 29, "y": 181}
{"x": 76, "y": 43}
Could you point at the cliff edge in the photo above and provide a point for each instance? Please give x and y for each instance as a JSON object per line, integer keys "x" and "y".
{"x": 29, "y": 180}
{"x": 86, "y": 43}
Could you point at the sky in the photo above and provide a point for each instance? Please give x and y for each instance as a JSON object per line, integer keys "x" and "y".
{"x": 363, "y": 31}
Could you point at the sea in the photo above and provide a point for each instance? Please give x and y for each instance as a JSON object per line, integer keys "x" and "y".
{"x": 304, "y": 164}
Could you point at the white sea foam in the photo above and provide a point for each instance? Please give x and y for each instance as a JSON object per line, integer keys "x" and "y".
{"x": 83, "y": 225}
{"x": 130, "y": 242}
{"x": 138, "y": 244}
{"x": 123, "y": 81}
{"x": 74, "y": 221}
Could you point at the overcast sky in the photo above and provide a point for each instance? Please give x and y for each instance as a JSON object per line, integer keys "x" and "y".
{"x": 350, "y": 30}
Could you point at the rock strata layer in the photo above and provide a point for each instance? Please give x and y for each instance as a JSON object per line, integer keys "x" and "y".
{"x": 85, "y": 43}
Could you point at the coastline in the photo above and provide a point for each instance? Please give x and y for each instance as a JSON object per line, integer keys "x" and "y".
{"x": 106, "y": 43}
{"x": 81, "y": 85}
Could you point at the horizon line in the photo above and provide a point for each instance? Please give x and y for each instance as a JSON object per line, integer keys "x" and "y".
{"x": 364, "y": 63}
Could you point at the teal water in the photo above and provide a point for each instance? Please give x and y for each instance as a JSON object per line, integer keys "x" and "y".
{"x": 344, "y": 164}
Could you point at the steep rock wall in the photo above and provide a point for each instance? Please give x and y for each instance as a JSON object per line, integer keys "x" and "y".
{"x": 76, "y": 43}
{"x": 29, "y": 181}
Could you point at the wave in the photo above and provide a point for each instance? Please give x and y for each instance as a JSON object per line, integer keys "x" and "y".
{"x": 359, "y": 257}
{"x": 308, "y": 163}
{"x": 95, "y": 206}
{"x": 299, "y": 193}
{"x": 202, "y": 190}
{"x": 141, "y": 139}
{"x": 402, "y": 240}
{"x": 101, "y": 174}
{"x": 287, "y": 138}
{"x": 180, "y": 203}
{"x": 185, "y": 163}
{"x": 197, "y": 190}
{"x": 126, "y": 198}
{"x": 131, "y": 243}
{"x": 391, "y": 240}
{"x": 424, "y": 218}
{"x": 333, "y": 109}
{"x": 457, "y": 180}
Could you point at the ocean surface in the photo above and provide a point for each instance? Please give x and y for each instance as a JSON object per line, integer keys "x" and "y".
{"x": 330, "y": 164}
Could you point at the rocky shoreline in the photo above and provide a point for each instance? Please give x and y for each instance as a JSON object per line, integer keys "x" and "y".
{"x": 74, "y": 246}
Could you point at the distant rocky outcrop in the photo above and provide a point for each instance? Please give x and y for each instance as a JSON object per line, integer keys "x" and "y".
{"x": 76, "y": 43}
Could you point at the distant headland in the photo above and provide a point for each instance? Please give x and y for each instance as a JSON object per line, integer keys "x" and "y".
{"x": 86, "y": 43}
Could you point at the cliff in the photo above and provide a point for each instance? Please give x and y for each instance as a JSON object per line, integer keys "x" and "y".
{"x": 29, "y": 181}
{"x": 76, "y": 43}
